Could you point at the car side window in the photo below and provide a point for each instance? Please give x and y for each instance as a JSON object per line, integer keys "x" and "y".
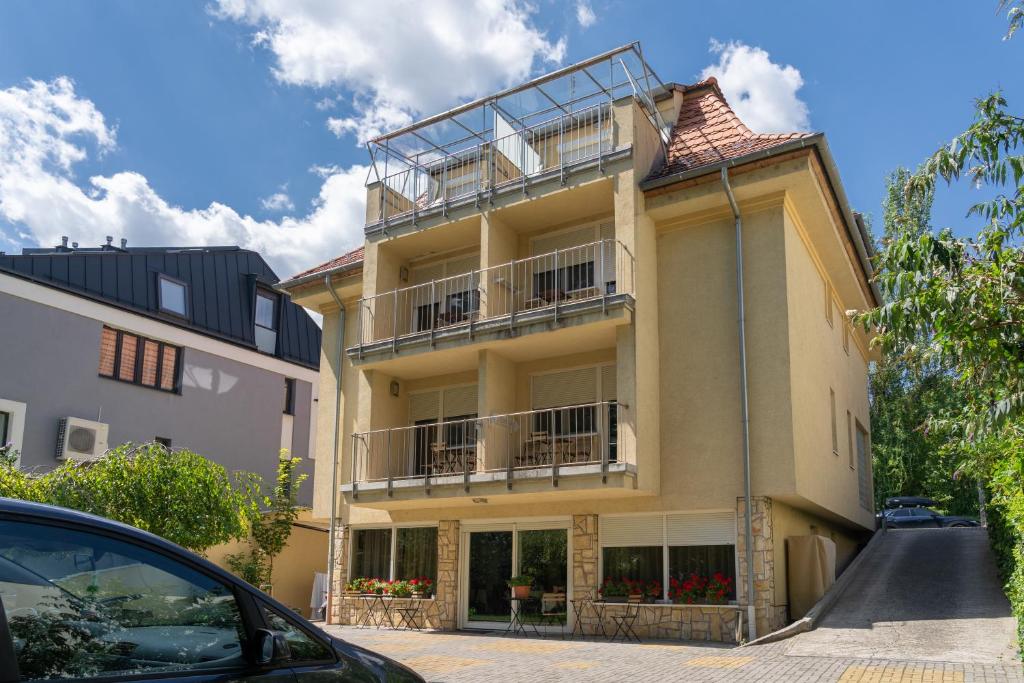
{"x": 303, "y": 647}
{"x": 902, "y": 512}
{"x": 81, "y": 605}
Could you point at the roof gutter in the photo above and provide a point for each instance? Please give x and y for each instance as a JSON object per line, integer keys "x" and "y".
{"x": 854, "y": 224}
{"x": 748, "y": 525}
{"x": 339, "y": 359}
{"x": 317, "y": 277}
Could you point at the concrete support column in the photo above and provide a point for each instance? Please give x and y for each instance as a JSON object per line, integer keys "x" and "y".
{"x": 769, "y": 616}
{"x": 340, "y": 559}
{"x": 447, "y": 593}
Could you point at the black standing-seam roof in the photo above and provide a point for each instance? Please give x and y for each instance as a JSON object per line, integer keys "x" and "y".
{"x": 222, "y": 283}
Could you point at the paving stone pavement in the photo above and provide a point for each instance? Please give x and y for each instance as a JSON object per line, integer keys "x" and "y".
{"x": 479, "y": 657}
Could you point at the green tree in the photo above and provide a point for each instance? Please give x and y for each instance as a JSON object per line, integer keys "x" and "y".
{"x": 177, "y": 494}
{"x": 270, "y": 530}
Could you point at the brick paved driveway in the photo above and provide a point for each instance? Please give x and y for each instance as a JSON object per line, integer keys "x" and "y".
{"x": 485, "y": 657}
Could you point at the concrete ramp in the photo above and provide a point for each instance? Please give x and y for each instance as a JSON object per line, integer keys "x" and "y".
{"x": 924, "y": 594}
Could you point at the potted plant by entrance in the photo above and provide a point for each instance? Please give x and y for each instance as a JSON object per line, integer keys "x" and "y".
{"x": 520, "y": 586}
{"x": 719, "y": 586}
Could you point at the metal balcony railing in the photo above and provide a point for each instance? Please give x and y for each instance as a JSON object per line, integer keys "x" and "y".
{"x": 547, "y": 282}
{"x": 553, "y": 145}
{"x": 555, "y": 438}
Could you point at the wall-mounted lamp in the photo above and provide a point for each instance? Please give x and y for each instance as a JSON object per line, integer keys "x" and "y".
{"x": 403, "y": 274}
{"x": 394, "y": 387}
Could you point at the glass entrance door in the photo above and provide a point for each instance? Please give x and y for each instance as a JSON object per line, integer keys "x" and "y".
{"x": 543, "y": 555}
{"x": 496, "y": 556}
{"x": 490, "y": 568}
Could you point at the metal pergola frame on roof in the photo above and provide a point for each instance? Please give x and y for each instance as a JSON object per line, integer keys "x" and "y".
{"x": 569, "y": 91}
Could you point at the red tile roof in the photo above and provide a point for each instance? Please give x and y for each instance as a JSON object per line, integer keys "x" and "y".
{"x": 708, "y": 131}
{"x": 354, "y": 256}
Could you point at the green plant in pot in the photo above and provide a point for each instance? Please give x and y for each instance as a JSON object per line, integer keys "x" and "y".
{"x": 520, "y": 586}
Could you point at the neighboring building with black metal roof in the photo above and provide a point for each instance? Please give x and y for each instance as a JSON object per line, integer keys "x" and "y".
{"x": 221, "y": 286}
{"x": 192, "y": 346}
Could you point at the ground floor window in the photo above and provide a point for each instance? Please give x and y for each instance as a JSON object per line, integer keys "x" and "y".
{"x": 412, "y": 549}
{"x": 685, "y": 557}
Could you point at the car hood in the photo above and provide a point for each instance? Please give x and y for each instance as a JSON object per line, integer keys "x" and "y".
{"x": 386, "y": 669}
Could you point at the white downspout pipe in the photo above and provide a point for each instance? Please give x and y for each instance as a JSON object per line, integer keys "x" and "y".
{"x": 339, "y": 358}
{"x": 748, "y": 531}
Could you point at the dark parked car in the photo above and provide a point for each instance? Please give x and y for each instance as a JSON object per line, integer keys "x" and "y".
{"x": 83, "y": 597}
{"x": 921, "y": 517}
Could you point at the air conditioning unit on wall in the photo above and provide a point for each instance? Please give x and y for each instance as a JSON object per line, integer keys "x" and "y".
{"x": 81, "y": 440}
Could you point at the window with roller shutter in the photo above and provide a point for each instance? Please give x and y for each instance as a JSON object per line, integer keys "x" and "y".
{"x": 133, "y": 359}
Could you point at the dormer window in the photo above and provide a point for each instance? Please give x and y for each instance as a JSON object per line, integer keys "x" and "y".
{"x": 266, "y": 321}
{"x": 173, "y": 296}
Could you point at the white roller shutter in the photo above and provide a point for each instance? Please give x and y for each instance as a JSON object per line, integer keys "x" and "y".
{"x": 462, "y": 265}
{"x": 568, "y": 388}
{"x": 563, "y": 240}
{"x": 701, "y": 528}
{"x": 608, "y": 386}
{"x": 424, "y": 406}
{"x": 631, "y": 531}
{"x": 423, "y": 274}
{"x": 607, "y": 231}
{"x": 460, "y": 401}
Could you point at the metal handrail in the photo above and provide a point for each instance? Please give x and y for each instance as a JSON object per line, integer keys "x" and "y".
{"x": 595, "y": 270}
{"x": 423, "y": 185}
{"x": 510, "y": 442}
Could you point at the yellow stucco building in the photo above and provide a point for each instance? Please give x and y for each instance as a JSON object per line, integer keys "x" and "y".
{"x": 539, "y": 362}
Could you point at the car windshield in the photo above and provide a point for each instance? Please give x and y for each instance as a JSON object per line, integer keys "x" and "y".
{"x": 79, "y": 604}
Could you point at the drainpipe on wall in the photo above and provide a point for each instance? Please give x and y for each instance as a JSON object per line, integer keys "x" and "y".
{"x": 741, "y": 311}
{"x": 339, "y": 357}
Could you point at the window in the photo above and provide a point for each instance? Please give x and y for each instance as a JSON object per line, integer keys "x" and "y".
{"x": 414, "y": 550}
{"x": 849, "y": 439}
{"x": 705, "y": 561}
{"x": 863, "y": 465}
{"x": 173, "y": 296}
{"x": 266, "y": 322}
{"x": 289, "y": 396}
{"x": 835, "y": 428}
{"x": 416, "y": 553}
{"x": 12, "y": 428}
{"x": 371, "y": 553}
{"x": 82, "y": 605}
{"x": 5, "y": 428}
{"x": 163, "y": 441}
{"x": 568, "y": 421}
{"x": 637, "y": 547}
{"x": 846, "y": 336}
{"x": 302, "y": 646}
{"x": 130, "y": 358}
{"x": 551, "y": 284}
{"x": 638, "y": 564}
{"x": 578, "y": 147}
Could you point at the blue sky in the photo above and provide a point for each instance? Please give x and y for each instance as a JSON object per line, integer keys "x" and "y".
{"x": 187, "y": 122}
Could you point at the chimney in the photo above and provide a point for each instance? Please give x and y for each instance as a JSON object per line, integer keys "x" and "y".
{"x": 110, "y": 241}
{"x": 74, "y": 245}
{"x": 64, "y": 241}
{"x": 124, "y": 242}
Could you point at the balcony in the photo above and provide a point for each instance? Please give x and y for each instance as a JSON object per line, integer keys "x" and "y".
{"x": 551, "y": 287}
{"x": 572, "y": 447}
{"x": 544, "y": 129}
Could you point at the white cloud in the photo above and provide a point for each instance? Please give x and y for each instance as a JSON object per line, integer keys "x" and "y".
{"x": 279, "y": 201}
{"x": 585, "y": 14}
{"x": 398, "y": 58}
{"x": 762, "y": 93}
{"x": 46, "y": 128}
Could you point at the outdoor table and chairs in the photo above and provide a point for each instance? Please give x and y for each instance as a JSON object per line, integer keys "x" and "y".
{"x": 624, "y": 623}
{"x": 376, "y": 611}
{"x": 408, "y": 615}
{"x": 541, "y": 450}
{"x": 520, "y": 608}
{"x": 453, "y": 459}
{"x": 579, "y": 606}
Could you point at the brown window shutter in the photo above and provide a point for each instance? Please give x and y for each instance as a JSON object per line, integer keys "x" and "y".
{"x": 129, "y": 347}
{"x": 150, "y": 351}
{"x": 169, "y": 369}
{"x": 108, "y": 350}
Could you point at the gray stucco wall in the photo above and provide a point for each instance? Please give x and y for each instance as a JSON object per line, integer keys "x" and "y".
{"x": 227, "y": 411}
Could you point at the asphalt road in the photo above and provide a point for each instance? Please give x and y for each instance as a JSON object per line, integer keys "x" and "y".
{"x": 925, "y": 595}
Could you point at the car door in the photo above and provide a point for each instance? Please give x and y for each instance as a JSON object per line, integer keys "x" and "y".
{"x": 899, "y": 518}
{"x": 80, "y": 603}
{"x": 310, "y": 655}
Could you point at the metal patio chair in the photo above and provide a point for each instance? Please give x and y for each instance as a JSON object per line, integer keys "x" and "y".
{"x": 624, "y": 623}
